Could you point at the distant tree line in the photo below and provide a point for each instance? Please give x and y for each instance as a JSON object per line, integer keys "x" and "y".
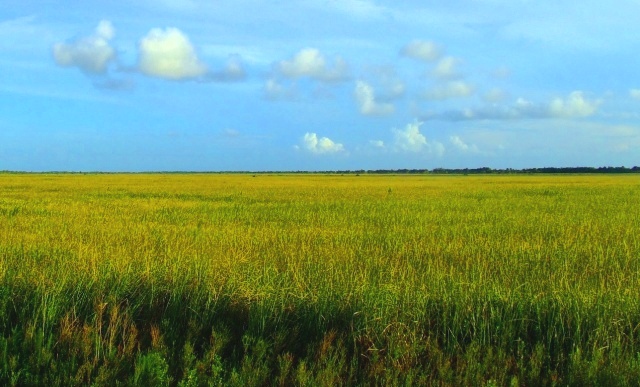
{"x": 488, "y": 171}
{"x": 436, "y": 171}
{"x": 480, "y": 171}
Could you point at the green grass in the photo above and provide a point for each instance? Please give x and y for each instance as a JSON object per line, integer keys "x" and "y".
{"x": 319, "y": 280}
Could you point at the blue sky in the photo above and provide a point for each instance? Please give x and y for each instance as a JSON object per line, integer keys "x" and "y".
{"x": 318, "y": 84}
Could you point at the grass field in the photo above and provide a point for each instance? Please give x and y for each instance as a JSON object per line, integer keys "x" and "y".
{"x": 319, "y": 280}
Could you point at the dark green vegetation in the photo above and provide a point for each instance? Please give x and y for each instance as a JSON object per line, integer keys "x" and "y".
{"x": 435, "y": 171}
{"x": 319, "y": 280}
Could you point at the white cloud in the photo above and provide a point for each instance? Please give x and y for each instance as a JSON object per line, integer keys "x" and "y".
{"x": 634, "y": 93}
{"x": 322, "y": 145}
{"x": 446, "y": 68}
{"x": 459, "y": 144}
{"x": 169, "y": 54}
{"x": 575, "y": 105}
{"x": 365, "y": 96}
{"x": 389, "y": 85}
{"x": 274, "y": 90}
{"x": 309, "y": 62}
{"x": 377, "y": 143}
{"x": 454, "y": 89}
{"x": 423, "y": 50}
{"x": 411, "y": 140}
{"x": 105, "y": 30}
{"x": 91, "y": 54}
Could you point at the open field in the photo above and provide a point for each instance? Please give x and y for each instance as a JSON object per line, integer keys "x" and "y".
{"x": 319, "y": 280}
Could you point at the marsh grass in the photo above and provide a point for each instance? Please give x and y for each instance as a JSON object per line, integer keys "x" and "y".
{"x": 319, "y": 280}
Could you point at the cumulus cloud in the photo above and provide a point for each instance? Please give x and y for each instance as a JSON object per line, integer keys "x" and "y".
{"x": 309, "y": 62}
{"x": 169, "y": 54}
{"x": 446, "y": 68}
{"x": 91, "y": 54}
{"x": 365, "y": 96}
{"x": 411, "y": 140}
{"x": 575, "y": 105}
{"x": 634, "y": 93}
{"x": 422, "y": 50}
{"x": 454, "y": 89}
{"x": 322, "y": 145}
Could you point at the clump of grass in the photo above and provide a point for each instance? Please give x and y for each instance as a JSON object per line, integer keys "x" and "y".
{"x": 319, "y": 280}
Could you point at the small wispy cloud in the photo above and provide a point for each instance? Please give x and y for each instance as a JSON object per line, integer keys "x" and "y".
{"x": 366, "y": 99}
{"x": 311, "y": 63}
{"x": 575, "y": 105}
{"x": 377, "y": 144}
{"x": 423, "y": 50}
{"x": 494, "y": 95}
{"x": 389, "y": 86}
{"x": 446, "y": 68}
{"x": 453, "y": 89}
{"x": 91, "y": 54}
{"x": 462, "y": 146}
{"x": 233, "y": 71}
{"x": 273, "y": 90}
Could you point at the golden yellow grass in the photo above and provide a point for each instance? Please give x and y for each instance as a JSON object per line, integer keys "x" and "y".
{"x": 461, "y": 260}
{"x": 465, "y": 227}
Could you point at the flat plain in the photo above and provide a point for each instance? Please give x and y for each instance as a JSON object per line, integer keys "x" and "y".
{"x": 310, "y": 279}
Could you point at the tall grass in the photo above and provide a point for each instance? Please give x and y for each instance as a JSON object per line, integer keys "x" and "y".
{"x": 319, "y": 280}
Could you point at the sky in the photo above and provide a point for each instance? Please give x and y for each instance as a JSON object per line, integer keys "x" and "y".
{"x": 254, "y": 85}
